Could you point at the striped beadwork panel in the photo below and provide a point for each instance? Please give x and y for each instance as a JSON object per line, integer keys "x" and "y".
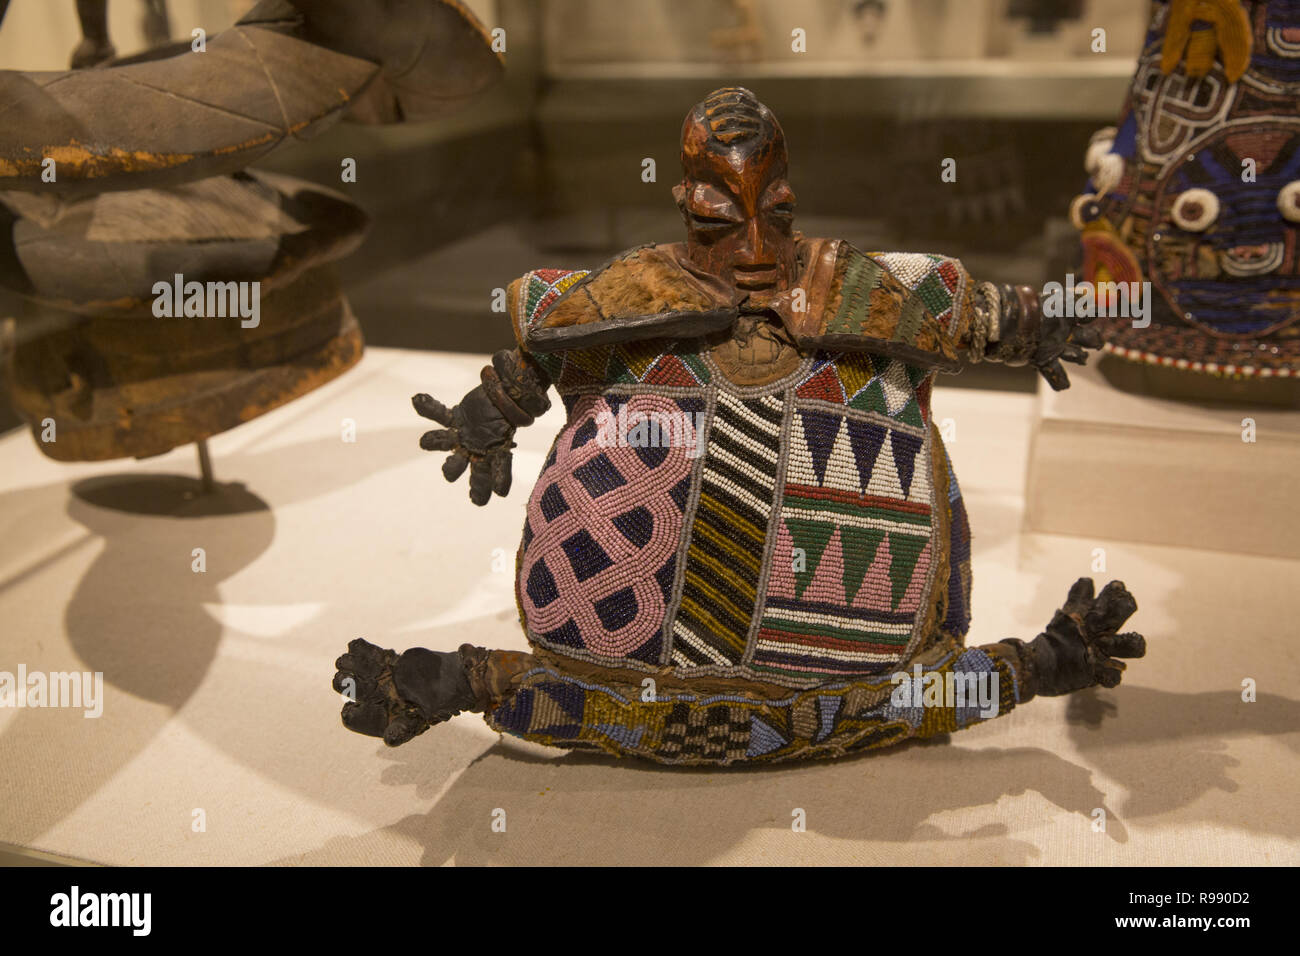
{"x": 724, "y": 556}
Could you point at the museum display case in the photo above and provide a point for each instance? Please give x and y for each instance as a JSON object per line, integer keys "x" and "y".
{"x": 832, "y": 318}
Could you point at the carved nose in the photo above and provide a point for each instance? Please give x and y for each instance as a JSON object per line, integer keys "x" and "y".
{"x": 754, "y": 254}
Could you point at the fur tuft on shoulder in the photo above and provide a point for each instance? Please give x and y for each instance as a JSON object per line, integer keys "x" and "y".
{"x": 644, "y": 293}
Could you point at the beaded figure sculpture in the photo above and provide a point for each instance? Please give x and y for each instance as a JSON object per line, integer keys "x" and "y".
{"x": 1198, "y": 191}
{"x": 748, "y": 529}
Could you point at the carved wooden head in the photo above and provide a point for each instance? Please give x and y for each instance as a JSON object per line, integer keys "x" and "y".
{"x": 734, "y": 197}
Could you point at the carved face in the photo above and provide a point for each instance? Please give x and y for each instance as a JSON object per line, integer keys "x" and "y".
{"x": 734, "y": 197}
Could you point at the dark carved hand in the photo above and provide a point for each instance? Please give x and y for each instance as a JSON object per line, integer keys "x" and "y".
{"x": 1063, "y": 339}
{"x": 478, "y": 431}
{"x": 400, "y": 696}
{"x": 1081, "y": 645}
{"x": 1027, "y": 335}
{"x": 478, "y": 437}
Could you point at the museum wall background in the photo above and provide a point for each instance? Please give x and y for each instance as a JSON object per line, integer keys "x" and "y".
{"x": 548, "y": 167}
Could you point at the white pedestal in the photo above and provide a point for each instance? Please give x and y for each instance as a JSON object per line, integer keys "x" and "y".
{"x": 1108, "y": 464}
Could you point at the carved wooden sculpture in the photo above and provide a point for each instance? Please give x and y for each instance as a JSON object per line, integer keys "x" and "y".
{"x": 118, "y": 179}
{"x": 131, "y": 381}
{"x": 748, "y": 524}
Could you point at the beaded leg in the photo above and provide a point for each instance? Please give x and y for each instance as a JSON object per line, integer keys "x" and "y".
{"x": 950, "y": 689}
{"x": 945, "y": 688}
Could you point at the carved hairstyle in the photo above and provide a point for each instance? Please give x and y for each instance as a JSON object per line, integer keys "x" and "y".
{"x": 731, "y": 121}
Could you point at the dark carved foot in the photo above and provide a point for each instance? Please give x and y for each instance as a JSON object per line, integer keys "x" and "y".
{"x": 399, "y": 696}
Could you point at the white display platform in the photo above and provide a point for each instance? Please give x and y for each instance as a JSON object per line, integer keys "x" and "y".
{"x": 217, "y": 695}
{"x": 1109, "y": 464}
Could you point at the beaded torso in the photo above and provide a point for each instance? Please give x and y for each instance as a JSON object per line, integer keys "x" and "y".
{"x": 792, "y": 533}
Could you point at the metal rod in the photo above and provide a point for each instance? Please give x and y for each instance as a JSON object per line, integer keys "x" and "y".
{"x": 205, "y": 467}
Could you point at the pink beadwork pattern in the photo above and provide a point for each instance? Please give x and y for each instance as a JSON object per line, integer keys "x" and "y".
{"x": 604, "y": 525}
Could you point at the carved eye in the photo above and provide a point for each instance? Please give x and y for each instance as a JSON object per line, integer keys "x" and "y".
{"x": 1101, "y": 143}
{"x": 1288, "y": 201}
{"x": 1110, "y": 170}
{"x": 1195, "y": 210}
{"x": 1083, "y": 210}
{"x": 710, "y": 222}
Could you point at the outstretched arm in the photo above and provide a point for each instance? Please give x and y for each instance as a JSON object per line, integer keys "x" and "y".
{"x": 479, "y": 431}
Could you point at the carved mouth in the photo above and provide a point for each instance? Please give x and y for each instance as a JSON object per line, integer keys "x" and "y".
{"x": 756, "y": 277}
{"x": 1253, "y": 260}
